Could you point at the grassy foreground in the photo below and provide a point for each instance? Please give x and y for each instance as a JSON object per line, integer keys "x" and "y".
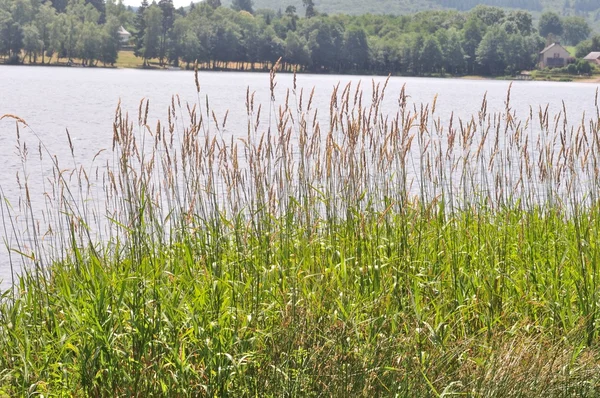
{"x": 381, "y": 255}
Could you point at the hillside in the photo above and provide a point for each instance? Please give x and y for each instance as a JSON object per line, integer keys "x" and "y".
{"x": 354, "y": 7}
{"x": 400, "y": 7}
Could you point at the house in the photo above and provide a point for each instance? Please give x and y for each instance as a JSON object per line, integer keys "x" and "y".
{"x": 554, "y": 56}
{"x": 124, "y": 35}
{"x": 593, "y": 58}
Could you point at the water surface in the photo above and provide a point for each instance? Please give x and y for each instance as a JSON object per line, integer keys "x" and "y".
{"x": 83, "y": 101}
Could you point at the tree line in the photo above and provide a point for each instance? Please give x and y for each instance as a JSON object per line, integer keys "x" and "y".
{"x": 530, "y": 5}
{"x": 402, "y": 7}
{"x": 486, "y": 40}
{"x": 38, "y": 31}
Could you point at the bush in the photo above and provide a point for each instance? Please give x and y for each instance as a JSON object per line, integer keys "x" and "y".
{"x": 583, "y": 48}
{"x": 584, "y": 67}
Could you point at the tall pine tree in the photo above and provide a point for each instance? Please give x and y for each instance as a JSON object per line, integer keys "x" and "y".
{"x": 168, "y": 19}
{"x": 214, "y": 3}
{"x": 101, "y": 7}
{"x": 243, "y": 5}
{"x": 309, "y": 7}
{"x": 140, "y": 27}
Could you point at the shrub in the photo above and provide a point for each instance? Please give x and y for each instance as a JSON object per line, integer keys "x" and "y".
{"x": 584, "y": 67}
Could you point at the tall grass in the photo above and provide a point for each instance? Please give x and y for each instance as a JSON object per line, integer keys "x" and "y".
{"x": 374, "y": 255}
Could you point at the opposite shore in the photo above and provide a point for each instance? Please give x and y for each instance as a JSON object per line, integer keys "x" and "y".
{"x": 129, "y": 62}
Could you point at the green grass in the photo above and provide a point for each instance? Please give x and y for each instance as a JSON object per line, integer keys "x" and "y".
{"x": 561, "y": 74}
{"x": 307, "y": 262}
{"x": 127, "y": 59}
{"x": 572, "y": 50}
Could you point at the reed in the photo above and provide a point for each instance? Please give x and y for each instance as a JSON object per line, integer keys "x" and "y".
{"x": 373, "y": 255}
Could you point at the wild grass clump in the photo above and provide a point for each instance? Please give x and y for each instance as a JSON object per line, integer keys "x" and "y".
{"x": 374, "y": 255}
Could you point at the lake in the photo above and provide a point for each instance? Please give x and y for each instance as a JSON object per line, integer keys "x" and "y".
{"x": 52, "y": 100}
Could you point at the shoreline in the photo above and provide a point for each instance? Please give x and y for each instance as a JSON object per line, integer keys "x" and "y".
{"x": 574, "y": 79}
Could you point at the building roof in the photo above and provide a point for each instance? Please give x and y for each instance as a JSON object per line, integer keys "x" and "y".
{"x": 594, "y": 55}
{"x": 552, "y": 45}
{"x": 122, "y": 31}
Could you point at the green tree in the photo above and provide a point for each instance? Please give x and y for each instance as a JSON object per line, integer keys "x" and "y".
{"x": 177, "y": 40}
{"x": 120, "y": 11}
{"x": 111, "y": 41}
{"x": 83, "y": 12}
{"x": 251, "y": 37}
{"x": 489, "y": 16}
{"x": 32, "y": 44}
{"x": 11, "y": 36}
{"x": 472, "y": 35}
{"x": 596, "y": 43}
{"x": 430, "y": 55}
{"x": 168, "y": 19}
{"x": 522, "y": 20}
{"x": 517, "y": 55}
{"x": 22, "y": 11}
{"x": 583, "y": 48}
{"x": 140, "y": 29}
{"x": 58, "y": 36}
{"x": 575, "y": 30}
{"x": 325, "y": 39}
{"x": 290, "y": 12}
{"x": 413, "y": 62}
{"x": 153, "y": 21}
{"x": 89, "y": 42}
{"x": 192, "y": 49}
{"x": 309, "y": 7}
{"x": 453, "y": 54}
{"x": 587, "y": 46}
{"x": 296, "y": 50}
{"x": 73, "y": 29}
{"x": 100, "y": 6}
{"x": 355, "y": 51}
{"x": 492, "y": 50}
{"x": 387, "y": 56}
{"x": 584, "y": 67}
{"x": 271, "y": 47}
{"x": 59, "y": 5}
{"x": 550, "y": 24}
{"x": 43, "y": 21}
{"x": 243, "y": 5}
{"x": 225, "y": 42}
{"x": 510, "y": 27}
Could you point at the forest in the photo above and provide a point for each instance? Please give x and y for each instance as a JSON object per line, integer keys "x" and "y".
{"x": 37, "y": 31}
{"x": 588, "y": 9}
{"x": 486, "y": 40}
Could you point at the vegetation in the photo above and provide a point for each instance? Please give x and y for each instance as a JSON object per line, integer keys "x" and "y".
{"x": 485, "y": 41}
{"x": 587, "y": 46}
{"x": 38, "y": 31}
{"x": 579, "y": 70}
{"x": 127, "y": 59}
{"x": 423, "y": 44}
{"x": 374, "y": 255}
{"x": 404, "y": 7}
